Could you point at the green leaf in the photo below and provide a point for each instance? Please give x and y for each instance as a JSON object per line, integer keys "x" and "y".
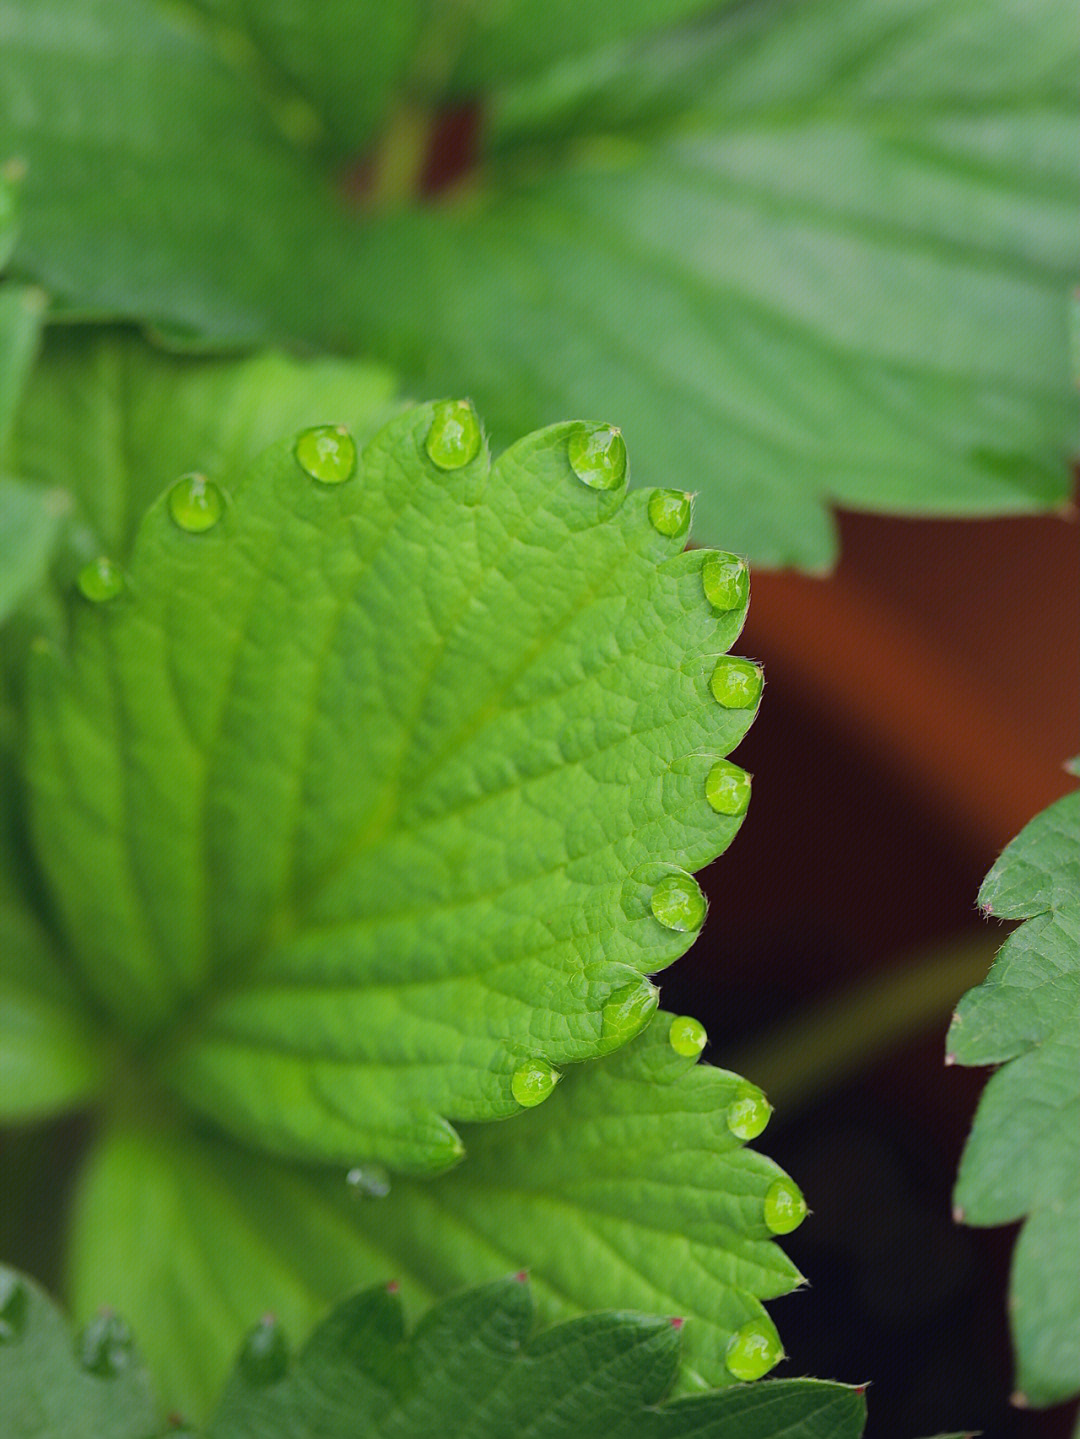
{"x": 49, "y": 1060}
{"x": 341, "y": 61}
{"x": 475, "y": 1357}
{"x": 143, "y": 146}
{"x": 801, "y": 283}
{"x": 113, "y": 420}
{"x": 11, "y": 174}
{"x": 626, "y": 1189}
{"x": 31, "y": 521}
{"x": 22, "y": 310}
{"x": 47, "y": 1393}
{"x": 1022, "y": 1157}
{"x": 839, "y": 281}
{"x": 354, "y": 804}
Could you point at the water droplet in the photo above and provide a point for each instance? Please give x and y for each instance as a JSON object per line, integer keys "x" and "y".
{"x": 598, "y": 456}
{"x": 105, "y": 1348}
{"x": 327, "y": 453}
{"x": 785, "y": 1207}
{"x": 533, "y": 1081}
{"x": 725, "y": 580}
{"x": 687, "y": 1036}
{"x": 669, "y": 512}
{"x": 753, "y": 1350}
{"x": 628, "y": 1010}
{"x": 736, "y": 684}
{"x": 368, "y": 1181}
{"x": 196, "y": 504}
{"x": 454, "y": 437}
{"x": 100, "y": 580}
{"x": 264, "y": 1356}
{"x": 727, "y": 788}
{"x": 678, "y": 903}
{"x": 14, "y": 1303}
{"x": 748, "y": 1113}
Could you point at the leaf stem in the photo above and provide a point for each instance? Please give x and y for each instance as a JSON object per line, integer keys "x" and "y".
{"x": 401, "y": 157}
{"x": 799, "y": 1061}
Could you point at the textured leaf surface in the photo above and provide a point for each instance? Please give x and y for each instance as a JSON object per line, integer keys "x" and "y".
{"x": 1022, "y": 1158}
{"x": 798, "y": 282}
{"x": 626, "y": 1189}
{"x": 358, "y": 798}
{"x": 475, "y": 1358}
{"x": 44, "y": 1391}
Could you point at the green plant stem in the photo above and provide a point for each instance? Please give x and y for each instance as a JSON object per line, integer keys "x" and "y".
{"x": 401, "y": 157}
{"x": 406, "y": 142}
{"x": 799, "y": 1061}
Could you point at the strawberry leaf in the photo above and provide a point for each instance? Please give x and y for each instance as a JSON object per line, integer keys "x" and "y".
{"x": 1022, "y": 1160}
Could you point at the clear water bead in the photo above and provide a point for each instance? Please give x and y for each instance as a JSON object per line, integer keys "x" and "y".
{"x": 100, "y": 580}
{"x": 753, "y": 1350}
{"x": 533, "y": 1082}
{"x": 327, "y": 453}
{"x": 678, "y": 903}
{"x": 727, "y": 788}
{"x": 749, "y": 1111}
{"x": 687, "y": 1036}
{"x": 725, "y": 580}
{"x": 598, "y": 456}
{"x": 195, "y": 504}
{"x": 453, "y": 440}
{"x": 736, "y": 684}
{"x": 669, "y": 512}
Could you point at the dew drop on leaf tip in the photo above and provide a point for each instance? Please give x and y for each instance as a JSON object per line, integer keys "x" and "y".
{"x": 100, "y": 580}
{"x": 678, "y": 903}
{"x": 327, "y": 453}
{"x": 669, "y": 512}
{"x": 14, "y": 1303}
{"x": 725, "y": 580}
{"x": 749, "y": 1111}
{"x": 453, "y": 439}
{"x": 785, "y": 1207}
{"x": 264, "y": 1356}
{"x": 736, "y": 684}
{"x": 533, "y": 1082}
{"x": 687, "y": 1036}
{"x": 597, "y": 456}
{"x": 628, "y": 1010}
{"x": 727, "y": 789}
{"x": 195, "y": 504}
{"x": 105, "y": 1348}
{"x": 368, "y": 1181}
{"x": 753, "y": 1350}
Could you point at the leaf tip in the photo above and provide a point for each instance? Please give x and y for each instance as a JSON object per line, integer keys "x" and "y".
{"x": 958, "y": 1214}
{"x": 1019, "y": 1400}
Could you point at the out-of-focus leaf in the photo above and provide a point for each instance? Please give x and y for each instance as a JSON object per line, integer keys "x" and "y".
{"x": 51, "y": 1388}
{"x": 806, "y": 254}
